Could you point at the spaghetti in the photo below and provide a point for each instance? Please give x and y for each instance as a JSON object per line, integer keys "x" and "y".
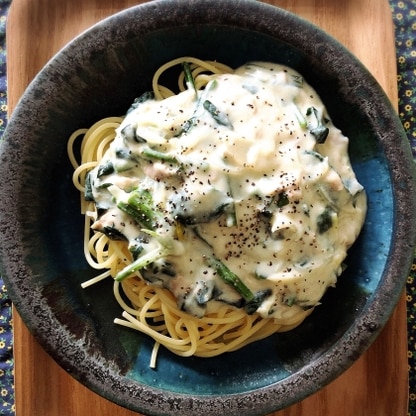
{"x": 207, "y": 317}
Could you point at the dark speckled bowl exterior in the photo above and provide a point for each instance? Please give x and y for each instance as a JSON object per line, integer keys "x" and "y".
{"x": 99, "y": 74}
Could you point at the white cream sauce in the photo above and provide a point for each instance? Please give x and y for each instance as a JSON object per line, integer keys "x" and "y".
{"x": 247, "y": 183}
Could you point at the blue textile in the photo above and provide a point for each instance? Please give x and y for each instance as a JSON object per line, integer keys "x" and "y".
{"x": 7, "y": 405}
{"x": 404, "y": 17}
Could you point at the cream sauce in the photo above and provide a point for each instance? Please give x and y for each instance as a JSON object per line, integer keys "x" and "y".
{"x": 237, "y": 172}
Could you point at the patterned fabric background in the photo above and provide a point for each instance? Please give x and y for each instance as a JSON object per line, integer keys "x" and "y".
{"x": 6, "y": 337}
{"x": 404, "y": 16}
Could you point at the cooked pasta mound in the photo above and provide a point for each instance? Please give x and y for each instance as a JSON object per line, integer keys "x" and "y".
{"x": 223, "y": 211}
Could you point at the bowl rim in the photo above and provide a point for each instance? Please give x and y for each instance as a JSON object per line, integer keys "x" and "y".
{"x": 266, "y": 19}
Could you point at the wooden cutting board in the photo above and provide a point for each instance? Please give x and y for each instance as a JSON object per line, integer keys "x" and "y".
{"x": 377, "y": 384}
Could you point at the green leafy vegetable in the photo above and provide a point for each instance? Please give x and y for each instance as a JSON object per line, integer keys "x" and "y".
{"x": 129, "y": 134}
{"x": 231, "y": 278}
{"x": 320, "y": 132}
{"x": 325, "y": 220}
{"x": 149, "y": 153}
{"x": 148, "y": 95}
{"x": 167, "y": 246}
{"x": 106, "y": 168}
{"x": 282, "y": 199}
{"x": 193, "y": 121}
{"x": 219, "y": 116}
{"x": 251, "y": 306}
{"x": 88, "y": 194}
{"x": 138, "y": 204}
{"x": 189, "y": 79}
{"x": 297, "y": 80}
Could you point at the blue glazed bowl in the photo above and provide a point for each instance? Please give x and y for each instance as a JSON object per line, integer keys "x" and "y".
{"x": 41, "y": 229}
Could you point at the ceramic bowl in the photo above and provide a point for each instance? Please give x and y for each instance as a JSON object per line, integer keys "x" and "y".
{"x": 99, "y": 74}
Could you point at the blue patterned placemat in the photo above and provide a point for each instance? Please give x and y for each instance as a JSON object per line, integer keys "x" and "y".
{"x": 404, "y": 16}
{"x": 7, "y": 406}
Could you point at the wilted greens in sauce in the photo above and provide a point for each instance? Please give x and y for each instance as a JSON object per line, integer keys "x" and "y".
{"x": 241, "y": 193}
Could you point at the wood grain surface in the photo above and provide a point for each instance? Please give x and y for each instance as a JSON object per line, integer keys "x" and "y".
{"x": 377, "y": 384}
